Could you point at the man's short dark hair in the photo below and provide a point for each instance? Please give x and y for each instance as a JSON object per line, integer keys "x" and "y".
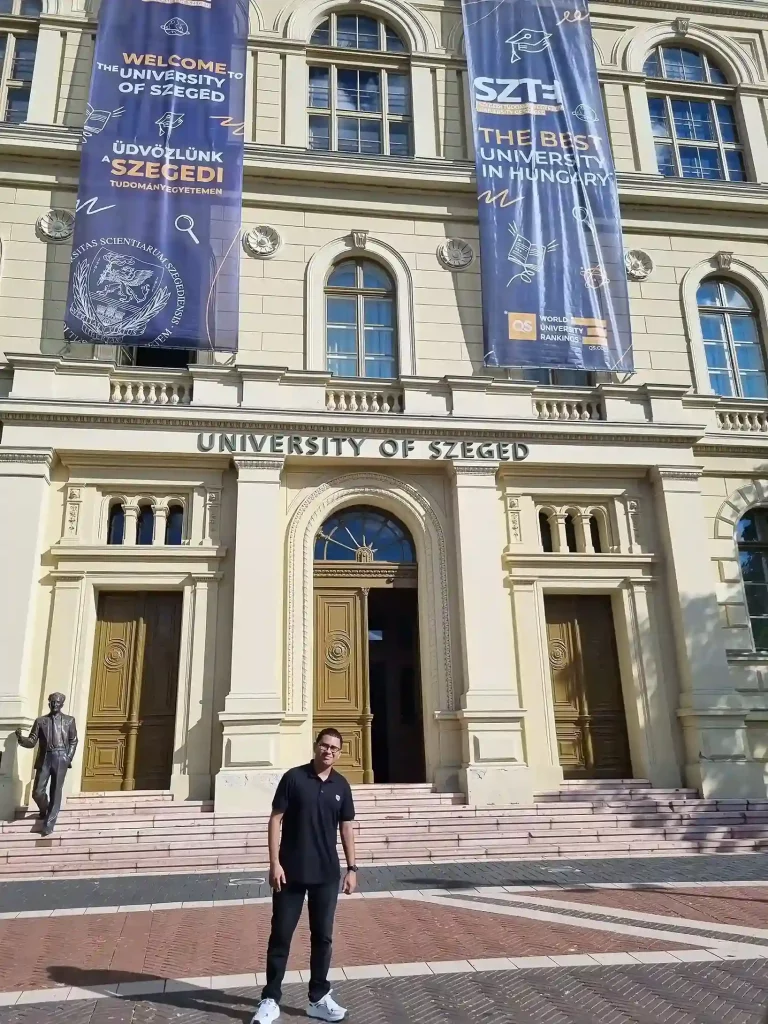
{"x": 330, "y": 732}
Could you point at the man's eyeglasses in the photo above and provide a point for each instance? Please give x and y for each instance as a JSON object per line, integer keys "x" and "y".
{"x": 329, "y": 748}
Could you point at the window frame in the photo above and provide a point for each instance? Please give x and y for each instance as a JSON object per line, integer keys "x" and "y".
{"x": 710, "y": 92}
{"x": 757, "y": 547}
{"x": 15, "y": 26}
{"x": 360, "y": 292}
{"x": 385, "y": 62}
{"x": 726, "y": 312}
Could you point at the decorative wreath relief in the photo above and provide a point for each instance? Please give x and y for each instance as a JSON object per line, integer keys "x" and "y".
{"x": 455, "y": 254}
{"x": 262, "y": 241}
{"x": 639, "y": 264}
{"x": 56, "y": 225}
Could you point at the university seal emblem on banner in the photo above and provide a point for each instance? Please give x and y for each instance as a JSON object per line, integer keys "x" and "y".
{"x": 551, "y": 252}
{"x": 155, "y": 259}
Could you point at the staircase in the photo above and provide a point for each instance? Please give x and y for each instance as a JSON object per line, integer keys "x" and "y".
{"x": 148, "y": 832}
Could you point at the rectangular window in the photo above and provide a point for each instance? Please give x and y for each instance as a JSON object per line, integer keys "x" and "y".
{"x": 319, "y": 132}
{"x": 320, "y": 88}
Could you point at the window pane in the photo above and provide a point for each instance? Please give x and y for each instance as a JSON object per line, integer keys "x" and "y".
{"x": 346, "y": 31}
{"x": 378, "y": 312}
{"x": 342, "y": 367}
{"x": 344, "y": 275}
{"x": 394, "y": 42}
{"x": 347, "y": 89}
{"x": 3, "y": 46}
{"x": 717, "y": 357}
{"x": 693, "y": 120}
{"x": 734, "y": 297}
{"x": 116, "y": 528}
{"x": 24, "y": 58}
{"x": 322, "y": 34}
{"x": 18, "y": 104}
{"x": 367, "y": 34}
{"x": 31, "y": 8}
{"x": 370, "y": 137}
{"x": 341, "y": 311}
{"x": 380, "y": 368}
{"x": 657, "y": 108}
{"x": 319, "y": 87}
{"x": 652, "y": 66}
{"x": 746, "y": 528}
{"x": 708, "y": 294}
{"x": 145, "y": 528}
{"x": 760, "y": 634}
{"x": 379, "y": 344}
{"x": 757, "y": 599}
{"x": 715, "y": 74}
{"x": 370, "y": 91}
{"x": 342, "y": 341}
{"x": 744, "y": 330}
{"x": 665, "y": 161}
{"x": 399, "y": 139}
{"x": 700, "y": 163}
{"x": 727, "y": 120}
{"x": 753, "y": 385}
{"x": 749, "y": 357}
{"x": 684, "y": 65}
{"x": 319, "y": 132}
{"x": 398, "y": 94}
{"x": 712, "y": 326}
{"x": 174, "y": 526}
{"x": 721, "y": 384}
{"x": 375, "y": 276}
{"x": 735, "y": 162}
{"x": 752, "y": 566}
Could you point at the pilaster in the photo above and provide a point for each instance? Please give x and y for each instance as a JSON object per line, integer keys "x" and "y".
{"x": 493, "y": 763}
{"x": 253, "y": 709}
{"x": 44, "y": 93}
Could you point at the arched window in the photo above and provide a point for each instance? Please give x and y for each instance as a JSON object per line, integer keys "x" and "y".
{"x": 696, "y": 135}
{"x": 145, "y": 525}
{"x": 732, "y": 343}
{"x": 116, "y": 524}
{"x": 359, "y": 104}
{"x": 570, "y": 533}
{"x": 363, "y": 534}
{"x": 594, "y": 533}
{"x": 17, "y": 58}
{"x": 752, "y": 539}
{"x": 360, "y": 320}
{"x": 545, "y": 532}
{"x": 174, "y": 525}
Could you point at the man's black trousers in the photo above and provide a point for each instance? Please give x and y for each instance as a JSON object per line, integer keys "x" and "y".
{"x": 286, "y": 911}
{"x": 54, "y": 767}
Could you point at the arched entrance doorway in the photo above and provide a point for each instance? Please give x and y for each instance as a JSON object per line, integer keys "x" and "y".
{"x": 367, "y": 681}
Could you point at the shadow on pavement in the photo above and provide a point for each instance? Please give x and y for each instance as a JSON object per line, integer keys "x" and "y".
{"x": 229, "y": 1004}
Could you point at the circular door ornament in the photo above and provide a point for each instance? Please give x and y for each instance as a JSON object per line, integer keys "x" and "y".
{"x": 558, "y": 654}
{"x": 115, "y": 654}
{"x": 639, "y": 264}
{"x": 337, "y": 652}
{"x": 455, "y": 254}
{"x": 56, "y": 225}
{"x": 261, "y": 241}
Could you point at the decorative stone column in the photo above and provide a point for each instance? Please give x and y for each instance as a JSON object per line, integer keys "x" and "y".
{"x": 253, "y": 709}
{"x": 161, "y": 521}
{"x": 24, "y": 482}
{"x": 494, "y": 770}
{"x": 130, "y": 524}
{"x": 711, "y": 710}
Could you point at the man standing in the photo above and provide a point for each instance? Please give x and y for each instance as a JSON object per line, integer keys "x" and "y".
{"x": 57, "y": 736}
{"x": 312, "y": 802}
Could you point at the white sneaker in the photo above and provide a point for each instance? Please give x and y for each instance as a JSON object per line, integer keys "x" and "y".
{"x": 326, "y": 1009}
{"x": 268, "y": 1011}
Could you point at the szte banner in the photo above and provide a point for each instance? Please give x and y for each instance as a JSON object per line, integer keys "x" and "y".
{"x": 552, "y": 259}
{"x": 155, "y": 258}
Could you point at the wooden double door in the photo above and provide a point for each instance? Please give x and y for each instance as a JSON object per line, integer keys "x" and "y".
{"x": 367, "y": 682}
{"x": 590, "y": 722}
{"x": 129, "y": 734}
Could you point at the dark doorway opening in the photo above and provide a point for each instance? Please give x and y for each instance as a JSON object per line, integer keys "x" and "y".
{"x": 397, "y": 731}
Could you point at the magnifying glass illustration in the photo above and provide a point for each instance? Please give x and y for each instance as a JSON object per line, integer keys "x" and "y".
{"x": 581, "y": 213}
{"x": 185, "y": 223}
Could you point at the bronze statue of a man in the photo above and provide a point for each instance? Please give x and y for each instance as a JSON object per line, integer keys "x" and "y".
{"x": 57, "y": 735}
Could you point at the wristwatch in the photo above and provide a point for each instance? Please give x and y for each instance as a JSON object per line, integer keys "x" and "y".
{"x": 352, "y": 867}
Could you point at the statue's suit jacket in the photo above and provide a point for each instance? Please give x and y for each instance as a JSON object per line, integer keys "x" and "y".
{"x": 42, "y": 734}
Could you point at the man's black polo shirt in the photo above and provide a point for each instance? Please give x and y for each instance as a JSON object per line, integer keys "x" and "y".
{"x": 312, "y": 809}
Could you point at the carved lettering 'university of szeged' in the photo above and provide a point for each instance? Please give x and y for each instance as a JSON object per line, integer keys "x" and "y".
{"x": 387, "y": 448}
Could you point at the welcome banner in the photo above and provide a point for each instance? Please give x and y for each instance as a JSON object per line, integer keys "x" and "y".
{"x": 552, "y": 259}
{"x": 155, "y": 258}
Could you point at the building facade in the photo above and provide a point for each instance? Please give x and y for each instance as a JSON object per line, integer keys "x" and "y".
{"x": 487, "y": 580}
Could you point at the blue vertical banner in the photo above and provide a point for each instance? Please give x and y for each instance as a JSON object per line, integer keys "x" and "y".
{"x": 155, "y": 257}
{"x": 551, "y": 252}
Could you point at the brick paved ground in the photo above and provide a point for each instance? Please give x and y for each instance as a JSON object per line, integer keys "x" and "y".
{"x": 132, "y": 889}
{"x": 725, "y": 993}
{"x": 85, "y": 950}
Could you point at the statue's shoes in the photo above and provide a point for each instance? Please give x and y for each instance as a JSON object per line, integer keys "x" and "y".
{"x": 47, "y": 830}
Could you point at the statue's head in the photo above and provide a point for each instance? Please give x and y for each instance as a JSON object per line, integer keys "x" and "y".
{"x": 56, "y": 702}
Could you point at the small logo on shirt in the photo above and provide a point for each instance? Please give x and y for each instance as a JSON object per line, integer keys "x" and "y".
{"x": 338, "y": 797}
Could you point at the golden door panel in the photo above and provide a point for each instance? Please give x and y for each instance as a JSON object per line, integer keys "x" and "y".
{"x": 586, "y": 688}
{"x": 132, "y": 703}
{"x": 339, "y": 668}
{"x": 159, "y": 686}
